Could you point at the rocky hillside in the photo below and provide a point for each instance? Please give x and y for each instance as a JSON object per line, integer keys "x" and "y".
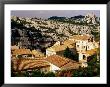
{"x": 37, "y": 33}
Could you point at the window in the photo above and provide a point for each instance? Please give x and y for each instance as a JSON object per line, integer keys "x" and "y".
{"x": 19, "y": 56}
{"x": 77, "y": 45}
{"x": 29, "y": 55}
{"x": 92, "y": 39}
{"x": 84, "y": 57}
{"x": 88, "y": 47}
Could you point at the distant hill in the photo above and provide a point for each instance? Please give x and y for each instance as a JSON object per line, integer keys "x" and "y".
{"x": 56, "y": 18}
{"x": 37, "y": 33}
{"x": 77, "y": 17}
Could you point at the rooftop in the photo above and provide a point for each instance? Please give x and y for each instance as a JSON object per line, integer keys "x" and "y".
{"x": 60, "y": 47}
{"x": 21, "y": 51}
{"x": 91, "y": 52}
{"x": 71, "y": 65}
{"x": 31, "y": 64}
{"x": 68, "y": 42}
{"x": 80, "y": 37}
{"x": 62, "y": 62}
{"x": 37, "y": 53}
{"x": 14, "y": 47}
{"x": 57, "y": 60}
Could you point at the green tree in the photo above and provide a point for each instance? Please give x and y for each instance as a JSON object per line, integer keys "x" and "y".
{"x": 37, "y": 73}
{"x": 69, "y": 54}
{"x": 90, "y": 71}
{"x": 50, "y": 74}
{"x": 93, "y": 60}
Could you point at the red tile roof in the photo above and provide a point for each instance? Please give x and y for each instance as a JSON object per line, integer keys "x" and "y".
{"x": 21, "y": 51}
{"x": 24, "y": 64}
{"x": 57, "y": 60}
{"x": 71, "y": 65}
{"x": 80, "y": 37}
{"x": 62, "y": 62}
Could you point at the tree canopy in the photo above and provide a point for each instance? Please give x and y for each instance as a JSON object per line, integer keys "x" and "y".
{"x": 69, "y": 54}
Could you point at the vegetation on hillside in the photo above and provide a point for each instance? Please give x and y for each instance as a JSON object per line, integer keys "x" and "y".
{"x": 34, "y": 73}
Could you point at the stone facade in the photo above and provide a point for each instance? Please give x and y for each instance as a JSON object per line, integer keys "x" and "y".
{"x": 83, "y": 44}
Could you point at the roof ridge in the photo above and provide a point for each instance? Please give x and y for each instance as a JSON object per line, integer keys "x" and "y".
{"x": 65, "y": 64}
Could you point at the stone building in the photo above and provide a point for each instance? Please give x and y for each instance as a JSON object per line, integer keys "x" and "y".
{"x": 59, "y": 47}
{"x": 61, "y": 63}
{"x": 22, "y": 53}
{"x": 81, "y": 44}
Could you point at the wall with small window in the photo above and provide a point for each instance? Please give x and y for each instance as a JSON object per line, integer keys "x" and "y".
{"x": 49, "y": 52}
{"x": 81, "y": 45}
{"x": 82, "y": 57}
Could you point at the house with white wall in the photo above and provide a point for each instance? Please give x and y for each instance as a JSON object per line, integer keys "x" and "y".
{"x": 82, "y": 44}
{"x": 22, "y": 53}
{"x": 83, "y": 56}
{"x": 61, "y": 63}
{"x": 58, "y": 49}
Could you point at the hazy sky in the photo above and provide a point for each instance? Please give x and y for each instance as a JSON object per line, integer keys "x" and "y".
{"x": 49, "y": 13}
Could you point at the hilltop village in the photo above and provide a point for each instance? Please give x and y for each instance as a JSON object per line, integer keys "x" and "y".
{"x": 54, "y": 45}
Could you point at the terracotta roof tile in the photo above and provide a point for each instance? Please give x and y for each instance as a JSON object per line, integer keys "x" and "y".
{"x": 92, "y": 51}
{"x": 30, "y": 64}
{"x": 71, "y": 65}
{"x": 68, "y": 42}
{"x": 62, "y": 62}
{"x": 80, "y": 37}
{"x": 60, "y": 47}
{"x": 14, "y": 47}
{"x": 57, "y": 60}
{"x": 37, "y": 53}
{"x": 21, "y": 51}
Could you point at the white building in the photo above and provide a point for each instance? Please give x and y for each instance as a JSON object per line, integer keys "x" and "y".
{"x": 82, "y": 43}
{"x": 83, "y": 56}
{"x": 60, "y": 63}
{"x": 58, "y": 48}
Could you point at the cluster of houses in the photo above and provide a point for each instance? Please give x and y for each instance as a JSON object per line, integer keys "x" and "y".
{"x": 84, "y": 45}
{"x": 26, "y": 59}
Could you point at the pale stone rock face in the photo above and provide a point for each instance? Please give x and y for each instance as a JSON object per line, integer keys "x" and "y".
{"x": 60, "y": 27}
{"x": 90, "y": 18}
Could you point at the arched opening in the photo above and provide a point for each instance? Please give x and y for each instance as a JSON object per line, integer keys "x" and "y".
{"x": 84, "y": 57}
